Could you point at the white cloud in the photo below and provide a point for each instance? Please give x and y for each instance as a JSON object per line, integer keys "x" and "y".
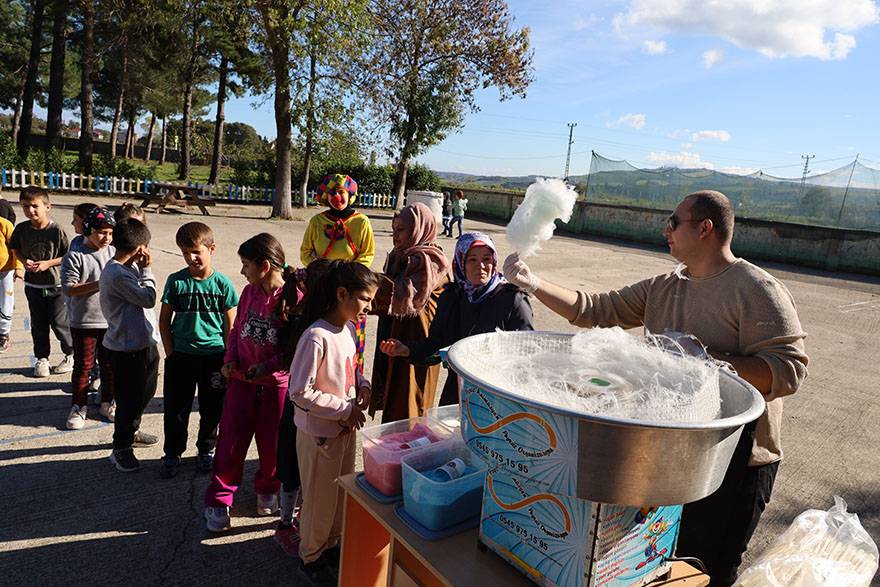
{"x": 776, "y": 28}
{"x": 711, "y": 57}
{"x": 636, "y": 121}
{"x": 581, "y": 23}
{"x": 738, "y": 170}
{"x": 655, "y": 47}
{"x": 711, "y": 135}
{"x": 680, "y": 159}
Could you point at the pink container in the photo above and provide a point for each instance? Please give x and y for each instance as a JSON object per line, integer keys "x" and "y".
{"x": 384, "y": 446}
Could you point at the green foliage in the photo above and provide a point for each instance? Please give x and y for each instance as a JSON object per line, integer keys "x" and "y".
{"x": 120, "y": 167}
{"x": 428, "y": 59}
{"x": 421, "y": 177}
{"x": 8, "y": 154}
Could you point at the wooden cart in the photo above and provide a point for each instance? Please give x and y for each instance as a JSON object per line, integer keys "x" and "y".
{"x": 379, "y": 550}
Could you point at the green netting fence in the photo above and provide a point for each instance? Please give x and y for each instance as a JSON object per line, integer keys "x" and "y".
{"x": 847, "y": 197}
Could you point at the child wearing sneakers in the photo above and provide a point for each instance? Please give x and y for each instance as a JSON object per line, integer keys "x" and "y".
{"x": 256, "y": 384}
{"x": 80, "y": 275}
{"x": 10, "y": 268}
{"x": 198, "y": 307}
{"x": 41, "y": 245}
{"x": 128, "y": 293}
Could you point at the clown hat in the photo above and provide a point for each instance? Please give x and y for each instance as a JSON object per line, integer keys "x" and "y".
{"x": 335, "y": 181}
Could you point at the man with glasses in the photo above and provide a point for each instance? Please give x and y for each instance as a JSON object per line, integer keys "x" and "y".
{"x": 743, "y": 316}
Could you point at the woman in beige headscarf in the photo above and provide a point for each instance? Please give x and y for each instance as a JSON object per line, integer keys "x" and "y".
{"x": 414, "y": 276}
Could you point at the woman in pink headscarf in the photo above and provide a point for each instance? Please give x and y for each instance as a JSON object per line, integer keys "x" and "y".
{"x": 414, "y": 276}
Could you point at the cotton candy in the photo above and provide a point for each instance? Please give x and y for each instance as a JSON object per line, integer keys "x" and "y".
{"x": 601, "y": 371}
{"x": 533, "y": 221}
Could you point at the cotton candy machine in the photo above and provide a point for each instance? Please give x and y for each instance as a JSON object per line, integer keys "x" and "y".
{"x": 596, "y": 457}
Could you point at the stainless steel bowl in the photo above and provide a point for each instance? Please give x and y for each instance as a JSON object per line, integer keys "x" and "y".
{"x": 615, "y": 460}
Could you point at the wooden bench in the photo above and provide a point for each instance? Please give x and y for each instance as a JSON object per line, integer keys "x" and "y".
{"x": 169, "y": 194}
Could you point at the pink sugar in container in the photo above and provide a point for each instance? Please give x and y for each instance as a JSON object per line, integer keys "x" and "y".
{"x": 384, "y": 445}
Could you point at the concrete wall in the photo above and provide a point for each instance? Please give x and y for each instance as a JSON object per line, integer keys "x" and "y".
{"x": 831, "y": 249}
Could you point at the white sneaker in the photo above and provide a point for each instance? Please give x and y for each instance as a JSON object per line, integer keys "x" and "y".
{"x": 108, "y": 410}
{"x": 267, "y": 505}
{"x": 41, "y": 368}
{"x": 65, "y": 366}
{"x": 217, "y": 518}
{"x": 76, "y": 419}
{"x": 95, "y": 385}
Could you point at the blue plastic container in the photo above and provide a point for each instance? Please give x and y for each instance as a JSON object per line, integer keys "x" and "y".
{"x": 439, "y": 505}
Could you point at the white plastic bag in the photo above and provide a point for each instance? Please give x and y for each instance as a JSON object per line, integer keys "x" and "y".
{"x": 819, "y": 549}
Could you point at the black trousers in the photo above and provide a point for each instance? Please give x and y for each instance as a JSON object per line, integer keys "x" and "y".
{"x": 717, "y": 529}
{"x": 183, "y": 373}
{"x": 48, "y": 311}
{"x": 136, "y": 374}
{"x": 287, "y": 465}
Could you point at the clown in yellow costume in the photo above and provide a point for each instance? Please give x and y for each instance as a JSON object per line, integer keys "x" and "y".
{"x": 339, "y": 232}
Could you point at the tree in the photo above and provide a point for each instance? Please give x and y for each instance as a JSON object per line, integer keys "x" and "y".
{"x": 275, "y": 23}
{"x": 323, "y": 90}
{"x": 56, "y": 73}
{"x": 30, "y": 84}
{"x": 228, "y": 39}
{"x": 193, "y": 74}
{"x": 86, "y": 96}
{"x": 428, "y": 59}
{"x": 14, "y": 48}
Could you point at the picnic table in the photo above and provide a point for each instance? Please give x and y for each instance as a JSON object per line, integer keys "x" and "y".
{"x": 170, "y": 194}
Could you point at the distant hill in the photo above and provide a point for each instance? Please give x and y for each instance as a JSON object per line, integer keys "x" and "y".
{"x": 520, "y": 182}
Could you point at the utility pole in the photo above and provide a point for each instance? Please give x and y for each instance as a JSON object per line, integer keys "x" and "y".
{"x": 806, "y": 159}
{"x": 571, "y": 126}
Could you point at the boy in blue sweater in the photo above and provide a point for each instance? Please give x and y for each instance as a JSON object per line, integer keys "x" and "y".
{"x": 128, "y": 294}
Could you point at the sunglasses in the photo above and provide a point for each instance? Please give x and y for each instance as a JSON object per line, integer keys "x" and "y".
{"x": 673, "y": 221}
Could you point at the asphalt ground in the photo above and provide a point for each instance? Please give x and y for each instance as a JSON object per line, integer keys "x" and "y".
{"x": 70, "y": 518}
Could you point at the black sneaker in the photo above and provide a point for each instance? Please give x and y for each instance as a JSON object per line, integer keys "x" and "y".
{"x": 318, "y": 573}
{"x": 205, "y": 462}
{"x": 169, "y": 467}
{"x": 125, "y": 460}
{"x": 142, "y": 438}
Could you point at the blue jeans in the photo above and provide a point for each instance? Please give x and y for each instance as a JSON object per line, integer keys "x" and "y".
{"x": 453, "y": 221}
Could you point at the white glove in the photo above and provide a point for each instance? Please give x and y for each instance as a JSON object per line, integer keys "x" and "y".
{"x": 519, "y": 274}
{"x": 680, "y": 343}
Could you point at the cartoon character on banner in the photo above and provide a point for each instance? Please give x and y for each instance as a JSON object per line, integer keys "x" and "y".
{"x": 655, "y": 531}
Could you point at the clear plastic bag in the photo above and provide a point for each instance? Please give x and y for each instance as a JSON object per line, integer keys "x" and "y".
{"x": 819, "y": 549}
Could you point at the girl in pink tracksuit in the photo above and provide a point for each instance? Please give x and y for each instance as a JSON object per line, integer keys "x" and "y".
{"x": 257, "y": 383}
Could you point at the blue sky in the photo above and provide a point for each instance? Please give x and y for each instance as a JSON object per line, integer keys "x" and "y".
{"x": 734, "y": 85}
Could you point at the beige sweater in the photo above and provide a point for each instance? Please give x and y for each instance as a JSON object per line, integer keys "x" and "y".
{"x": 742, "y": 310}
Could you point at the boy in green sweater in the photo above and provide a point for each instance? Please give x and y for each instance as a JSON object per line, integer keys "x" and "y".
{"x": 198, "y": 308}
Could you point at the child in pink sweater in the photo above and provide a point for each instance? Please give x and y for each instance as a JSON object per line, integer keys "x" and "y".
{"x": 257, "y": 384}
{"x": 330, "y": 395}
